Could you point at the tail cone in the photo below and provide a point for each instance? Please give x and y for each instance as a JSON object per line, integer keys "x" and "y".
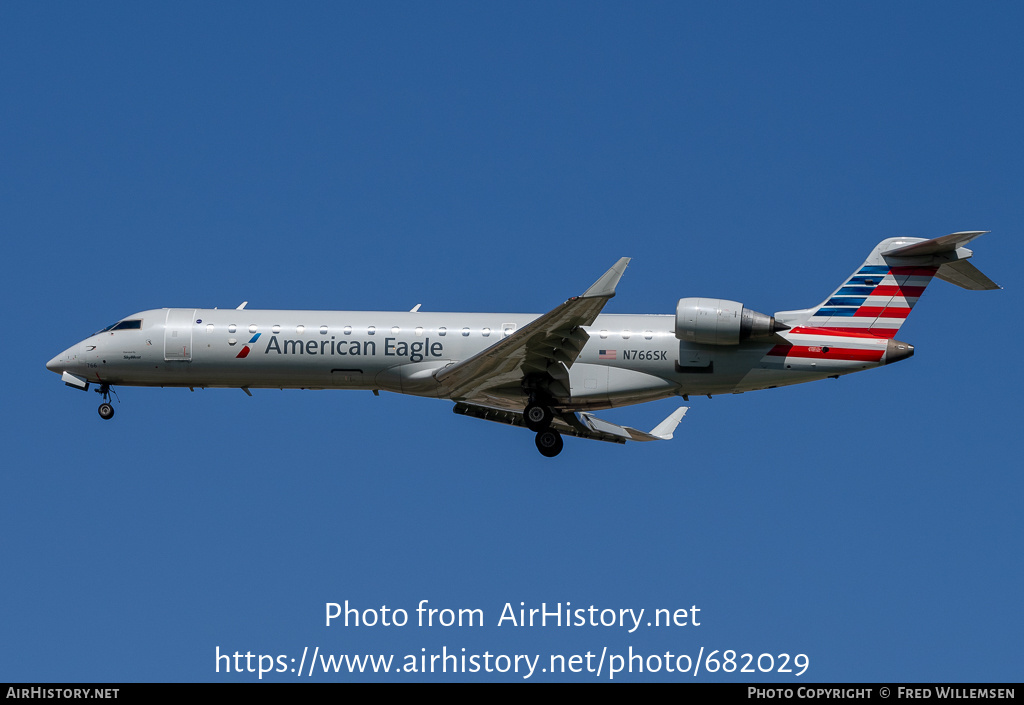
{"x": 896, "y": 351}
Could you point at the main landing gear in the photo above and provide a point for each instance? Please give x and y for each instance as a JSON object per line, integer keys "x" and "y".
{"x": 106, "y": 409}
{"x": 538, "y": 417}
{"x": 549, "y": 442}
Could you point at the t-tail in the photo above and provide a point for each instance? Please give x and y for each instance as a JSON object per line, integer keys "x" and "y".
{"x": 877, "y": 298}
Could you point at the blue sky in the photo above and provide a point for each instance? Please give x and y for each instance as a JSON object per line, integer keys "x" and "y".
{"x": 500, "y": 157}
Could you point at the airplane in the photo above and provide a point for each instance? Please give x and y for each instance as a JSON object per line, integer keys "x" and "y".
{"x": 546, "y": 373}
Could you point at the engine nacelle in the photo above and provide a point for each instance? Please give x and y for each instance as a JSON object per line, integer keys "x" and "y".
{"x": 722, "y": 322}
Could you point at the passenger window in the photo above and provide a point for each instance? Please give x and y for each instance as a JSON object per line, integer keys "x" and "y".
{"x": 232, "y": 328}
{"x": 323, "y": 330}
{"x": 371, "y": 330}
{"x": 486, "y": 332}
{"x": 648, "y": 335}
{"x": 275, "y": 330}
{"x": 252, "y": 328}
{"x": 348, "y": 330}
{"x": 419, "y": 331}
{"x": 465, "y": 332}
{"x": 604, "y": 334}
{"x": 625, "y": 335}
{"x": 442, "y": 331}
{"x": 395, "y": 330}
{"x": 300, "y": 329}
{"x": 209, "y": 327}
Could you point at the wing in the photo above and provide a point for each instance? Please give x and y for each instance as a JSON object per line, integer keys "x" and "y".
{"x": 546, "y": 346}
{"x": 582, "y": 426}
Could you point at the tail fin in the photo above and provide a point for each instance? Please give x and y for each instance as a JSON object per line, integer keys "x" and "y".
{"x": 877, "y": 298}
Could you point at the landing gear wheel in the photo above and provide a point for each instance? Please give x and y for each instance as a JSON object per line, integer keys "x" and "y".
{"x": 537, "y": 417}
{"x": 549, "y": 443}
{"x": 106, "y": 409}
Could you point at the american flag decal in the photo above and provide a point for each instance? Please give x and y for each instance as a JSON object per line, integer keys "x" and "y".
{"x": 605, "y": 354}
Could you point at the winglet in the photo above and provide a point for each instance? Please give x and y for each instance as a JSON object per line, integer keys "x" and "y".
{"x": 605, "y": 286}
{"x": 665, "y": 429}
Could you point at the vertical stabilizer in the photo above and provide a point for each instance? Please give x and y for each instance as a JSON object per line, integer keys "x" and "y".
{"x": 877, "y": 298}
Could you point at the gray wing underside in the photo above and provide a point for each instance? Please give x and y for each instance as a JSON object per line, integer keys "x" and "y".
{"x": 581, "y": 425}
{"x": 548, "y": 345}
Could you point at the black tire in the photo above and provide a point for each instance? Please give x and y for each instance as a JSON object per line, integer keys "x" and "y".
{"x": 106, "y": 411}
{"x": 549, "y": 443}
{"x": 537, "y": 417}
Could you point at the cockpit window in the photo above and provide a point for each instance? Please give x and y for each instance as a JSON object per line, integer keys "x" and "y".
{"x": 134, "y": 324}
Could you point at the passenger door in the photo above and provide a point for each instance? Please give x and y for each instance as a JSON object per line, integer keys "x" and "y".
{"x": 178, "y": 334}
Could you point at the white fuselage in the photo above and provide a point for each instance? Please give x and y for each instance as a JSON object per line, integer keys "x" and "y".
{"x": 628, "y": 358}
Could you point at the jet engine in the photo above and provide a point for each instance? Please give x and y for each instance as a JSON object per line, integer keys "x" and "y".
{"x": 722, "y": 322}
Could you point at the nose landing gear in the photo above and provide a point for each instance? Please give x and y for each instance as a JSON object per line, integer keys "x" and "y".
{"x": 106, "y": 409}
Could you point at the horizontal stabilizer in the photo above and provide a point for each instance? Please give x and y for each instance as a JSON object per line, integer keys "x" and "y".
{"x": 965, "y": 275}
{"x": 946, "y": 243}
{"x": 958, "y": 271}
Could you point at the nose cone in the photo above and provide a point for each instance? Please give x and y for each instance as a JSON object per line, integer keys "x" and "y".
{"x": 64, "y": 361}
{"x": 55, "y": 364}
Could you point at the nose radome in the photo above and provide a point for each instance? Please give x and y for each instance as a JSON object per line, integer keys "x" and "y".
{"x": 55, "y": 364}
{"x": 64, "y": 361}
